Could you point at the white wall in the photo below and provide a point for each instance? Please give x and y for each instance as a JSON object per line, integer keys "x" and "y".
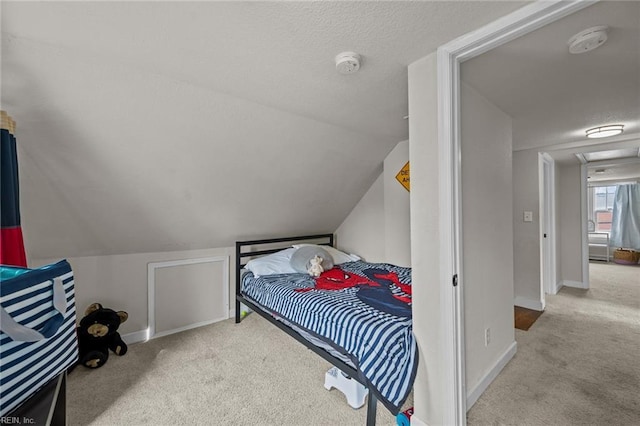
{"x": 427, "y": 312}
{"x": 378, "y": 228}
{"x": 526, "y": 243}
{"x": 488, "y": 262}
{"x": 526, "y": 235}
{"x": 145, "y": 163}
{"x": 397, "y": 228}
{"x": 362, "y": 232}
{"x": 120, "y": 281}
{"x": 569, "y": 224}
{"x": 487, "y": 231}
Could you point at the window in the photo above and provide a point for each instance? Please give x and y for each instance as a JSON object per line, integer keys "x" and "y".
{"x": 603, "y": 220}
{"x": 601, "y": 207}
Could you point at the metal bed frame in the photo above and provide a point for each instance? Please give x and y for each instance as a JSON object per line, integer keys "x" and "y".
{"x": 275, "y": 245}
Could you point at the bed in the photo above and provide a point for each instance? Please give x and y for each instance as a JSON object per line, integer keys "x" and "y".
{"x": 356, "y": 315}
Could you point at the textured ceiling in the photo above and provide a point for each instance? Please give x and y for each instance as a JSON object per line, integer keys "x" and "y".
{"x": 279, "y": 54}
{"x": 155, "y": 126}
{"x": 554, "y": 96}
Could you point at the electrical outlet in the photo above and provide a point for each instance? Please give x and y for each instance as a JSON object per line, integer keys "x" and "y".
{"x": 487, "y": 336}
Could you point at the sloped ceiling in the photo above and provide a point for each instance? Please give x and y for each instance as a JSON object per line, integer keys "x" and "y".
{"x": 156, "y": 126}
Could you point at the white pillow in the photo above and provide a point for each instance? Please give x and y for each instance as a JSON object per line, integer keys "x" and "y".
{"x": 301, "y": 259}
{"x": 338, "y": 256}
{"x": 275, "y": 263}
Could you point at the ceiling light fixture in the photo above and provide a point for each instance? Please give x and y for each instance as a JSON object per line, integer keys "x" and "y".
{"x": 588, "y": 39}
{"x": 605, "y": 131}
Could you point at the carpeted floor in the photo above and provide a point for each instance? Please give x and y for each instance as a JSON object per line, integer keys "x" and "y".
{"x": 223, "y": 374}
{"x": 579, "y": 364}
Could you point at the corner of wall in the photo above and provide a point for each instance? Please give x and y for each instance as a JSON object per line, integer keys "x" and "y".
{"x": 354, "y": 233}
{"x": 378, "y": 228}
{"x": 490, "y": 375}
{"x": 525, "y": 302}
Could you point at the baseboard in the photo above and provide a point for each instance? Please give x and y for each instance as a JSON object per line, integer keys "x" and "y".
{"x": 187, "y": 327}
{"x": 558, "y": 287}
{"x": 144, "y": 335}
{"x": 136, "y": 336}
{"x": 525, "y": 302}
{"x": 484, "y": 383}
{"x": 574, "y": 284}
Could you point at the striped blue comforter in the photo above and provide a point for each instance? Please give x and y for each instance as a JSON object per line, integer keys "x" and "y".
{"x": 361, "y": 309}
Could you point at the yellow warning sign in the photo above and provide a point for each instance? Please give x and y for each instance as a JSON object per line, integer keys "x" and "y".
{"x": 403, "y": 176}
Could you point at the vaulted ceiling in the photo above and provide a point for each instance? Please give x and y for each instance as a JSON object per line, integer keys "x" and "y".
{"x": 155, "y": 126}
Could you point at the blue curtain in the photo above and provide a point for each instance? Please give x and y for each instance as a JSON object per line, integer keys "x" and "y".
{"x": 625, "y": 223}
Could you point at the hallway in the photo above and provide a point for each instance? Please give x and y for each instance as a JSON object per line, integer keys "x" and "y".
{"x": 578, "y": 364}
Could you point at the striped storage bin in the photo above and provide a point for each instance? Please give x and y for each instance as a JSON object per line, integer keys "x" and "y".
{"x": 37, "y": 329}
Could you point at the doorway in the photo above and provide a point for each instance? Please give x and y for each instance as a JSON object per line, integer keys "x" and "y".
{"x": 450, "y": 57}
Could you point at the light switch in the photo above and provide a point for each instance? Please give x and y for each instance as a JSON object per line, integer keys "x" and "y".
{"x": 528, "y": 216}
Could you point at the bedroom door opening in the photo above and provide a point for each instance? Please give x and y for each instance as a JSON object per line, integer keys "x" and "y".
{"x": 450, "y": 56}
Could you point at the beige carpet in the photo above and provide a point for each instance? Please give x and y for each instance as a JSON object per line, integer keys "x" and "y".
{"x": 223, "y": 374}
{"x": 579, "y": 364}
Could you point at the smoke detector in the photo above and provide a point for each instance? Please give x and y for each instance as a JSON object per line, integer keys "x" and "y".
{"x": 347, "y": 62}
{"x": 588, "y": 39}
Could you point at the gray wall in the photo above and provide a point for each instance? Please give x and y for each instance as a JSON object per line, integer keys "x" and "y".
{"x": 378, "y": 229}
{"x": 488, "y": 265}
{"x": 425, "y": 243}
{"x": 397, "y": 229}
{"x": 120, "y": 282}
{"x": 526, "y": 243}
{"x": 362, "y": 232}
{"x": 526, "y": 235}
{"x": 148, "y": 182}
{"x": 569, "y": 225}
{"x": 487, "y": 230}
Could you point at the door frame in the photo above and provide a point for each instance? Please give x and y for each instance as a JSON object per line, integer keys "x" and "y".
{"x": 546, "y": 199}
{"x": 449, "y": 58}
{"x": 584, "y": 217}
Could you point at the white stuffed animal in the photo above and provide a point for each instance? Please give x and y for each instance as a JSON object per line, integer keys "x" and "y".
{"x": 315, "y": 266}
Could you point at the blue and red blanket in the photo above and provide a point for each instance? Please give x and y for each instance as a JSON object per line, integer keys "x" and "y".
{"x": 361, "y": 309}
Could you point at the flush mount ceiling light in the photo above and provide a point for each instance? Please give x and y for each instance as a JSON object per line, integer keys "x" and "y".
{"x": 588, "y": 39}
{"x": 347, "y": 62}
{"x": 605, "y": 131}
